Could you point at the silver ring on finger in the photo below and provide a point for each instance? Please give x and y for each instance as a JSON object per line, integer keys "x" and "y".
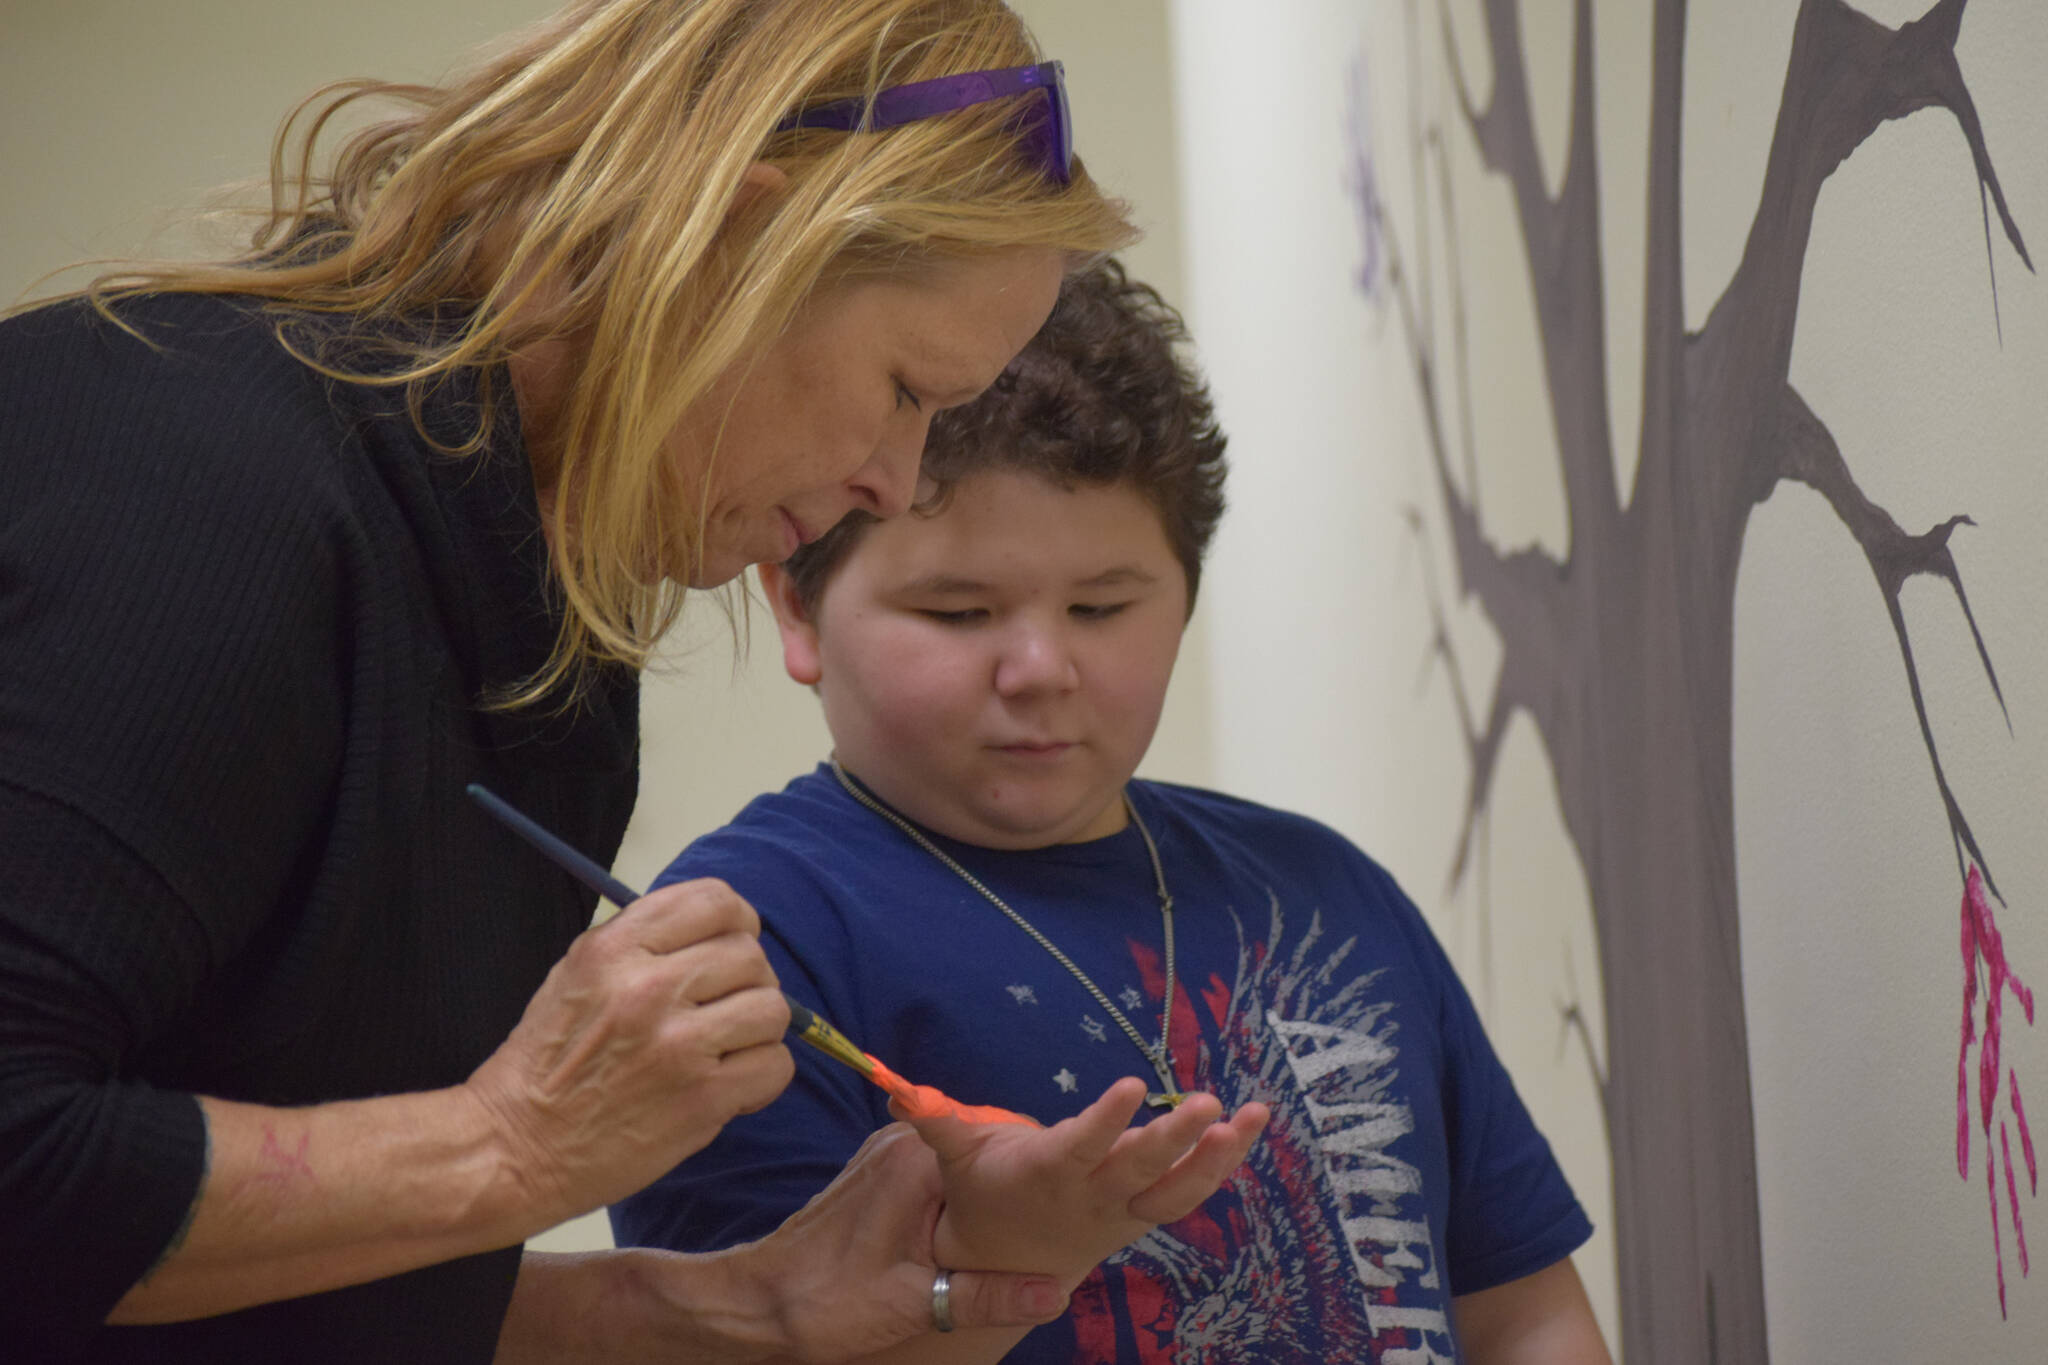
{"x": 942, "y": 1301}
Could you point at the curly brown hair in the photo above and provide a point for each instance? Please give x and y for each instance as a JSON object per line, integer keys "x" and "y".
{"x": 1101, "y": 396}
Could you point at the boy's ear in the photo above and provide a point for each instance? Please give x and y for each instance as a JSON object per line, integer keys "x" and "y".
{"x": 799, "y": 632}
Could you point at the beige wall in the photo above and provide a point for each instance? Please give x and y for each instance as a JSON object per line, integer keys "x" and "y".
{"x": 117, "y": 116}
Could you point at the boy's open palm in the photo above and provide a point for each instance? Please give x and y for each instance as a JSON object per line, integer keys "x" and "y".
{"x": 1058, "y": 1200}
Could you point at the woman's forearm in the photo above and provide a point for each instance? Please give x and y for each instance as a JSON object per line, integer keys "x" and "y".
{"x": 630, "y": 1305}
{"x": 751, "y": 1305}
{"x": 649, "y": 1034}
{"x": 847, "y": 1276}
{"x": 297, "y": 1201}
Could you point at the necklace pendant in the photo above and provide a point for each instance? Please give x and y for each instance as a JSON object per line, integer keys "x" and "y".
{"x": 1169, "y": 1100}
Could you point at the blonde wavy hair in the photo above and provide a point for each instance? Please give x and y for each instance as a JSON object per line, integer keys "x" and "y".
{"x": 586, "y": 181}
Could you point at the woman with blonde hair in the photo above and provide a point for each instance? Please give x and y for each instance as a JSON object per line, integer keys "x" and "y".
{"x": 296, "y": 1047}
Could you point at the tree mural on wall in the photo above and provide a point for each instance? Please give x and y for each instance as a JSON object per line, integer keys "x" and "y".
{"x": 1622, "y": 651}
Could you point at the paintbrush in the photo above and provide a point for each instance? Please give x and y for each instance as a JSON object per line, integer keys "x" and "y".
{"x": 804, "y": 1023}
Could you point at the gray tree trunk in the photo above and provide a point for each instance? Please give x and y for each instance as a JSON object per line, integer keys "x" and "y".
{"x": 1622, "y": 653}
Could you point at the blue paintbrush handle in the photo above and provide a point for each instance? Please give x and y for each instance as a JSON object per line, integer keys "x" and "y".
{"x": 802, "y": 1022}
{"x": 582, "y": 868}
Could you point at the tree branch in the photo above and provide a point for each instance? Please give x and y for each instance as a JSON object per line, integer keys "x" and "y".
{"x": 1932, "y": 40}
{"x": 1531, "y": 655}
{"x": 1521, "y": 592}
{"x": 1572, "y": 1019}
{"x": 1809, "y": 454}
{"x": 1481, "y": 747}
{"x": 1461, "y": 332}
{"x": 1561, "y": 237}
{"x": 1664, "y": 260}
{"x": 1479, "y": 771}
{"x": 1847, "y": 76}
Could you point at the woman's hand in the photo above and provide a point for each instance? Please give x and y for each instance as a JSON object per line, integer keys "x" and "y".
{"x": 1017, "y": 1214}
{"x": 848, "y": 1275}
{"x": 852, "y": 1270}
{"x": 1058, "y": 1200}
{"x": 650, "y": 1034}
{"x": 654, "y": 1030}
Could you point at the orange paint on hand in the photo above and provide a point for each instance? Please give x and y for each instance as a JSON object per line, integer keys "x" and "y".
{"x": 927, "y": 1102}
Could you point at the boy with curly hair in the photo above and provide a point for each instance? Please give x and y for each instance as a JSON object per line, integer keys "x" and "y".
{"x": 975, "y": 887}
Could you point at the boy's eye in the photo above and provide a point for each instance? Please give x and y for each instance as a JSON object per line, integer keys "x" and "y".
{"x": 904, "y": 395}
{"x": 1096, "y": 611}
{"x": 966, "y": 616}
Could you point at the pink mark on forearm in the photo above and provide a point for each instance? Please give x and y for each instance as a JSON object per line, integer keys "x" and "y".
{"x": 278, "y": 1167}
{"x": 1984, "y": 947}
{"x": 927, "y": 1102}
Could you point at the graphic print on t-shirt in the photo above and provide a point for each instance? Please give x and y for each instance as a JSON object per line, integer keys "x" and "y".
{"x": 1320, "y": 1247}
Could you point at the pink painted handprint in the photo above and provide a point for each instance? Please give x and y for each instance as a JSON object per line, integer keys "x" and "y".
{"x": 1981, "y": 942}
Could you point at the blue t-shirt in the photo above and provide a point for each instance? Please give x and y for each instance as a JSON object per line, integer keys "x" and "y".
{"x": 1400, "y": 1167}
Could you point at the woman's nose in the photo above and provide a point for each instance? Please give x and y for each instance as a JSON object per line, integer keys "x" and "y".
{"x": 887, "y": 483}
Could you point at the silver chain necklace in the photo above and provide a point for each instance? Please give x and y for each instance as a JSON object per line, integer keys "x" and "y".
{"x": 1161, "y": 1056}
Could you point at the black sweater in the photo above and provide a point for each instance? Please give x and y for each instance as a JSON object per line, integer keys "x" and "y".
{"x": 247, "y": 615}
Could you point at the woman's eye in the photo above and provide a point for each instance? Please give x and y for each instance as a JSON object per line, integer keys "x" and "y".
{"x": 904, "y": 395}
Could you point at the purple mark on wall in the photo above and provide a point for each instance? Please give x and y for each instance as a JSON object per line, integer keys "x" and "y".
{"x": 1361, "y": 182}
{"x": 1983, "y": 943}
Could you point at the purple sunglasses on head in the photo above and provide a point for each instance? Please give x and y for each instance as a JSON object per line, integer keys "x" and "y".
{"x": 1047, "y": 141}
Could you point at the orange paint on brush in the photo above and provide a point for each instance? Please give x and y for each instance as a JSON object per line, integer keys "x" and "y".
{"x": 926, "y": 1102}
